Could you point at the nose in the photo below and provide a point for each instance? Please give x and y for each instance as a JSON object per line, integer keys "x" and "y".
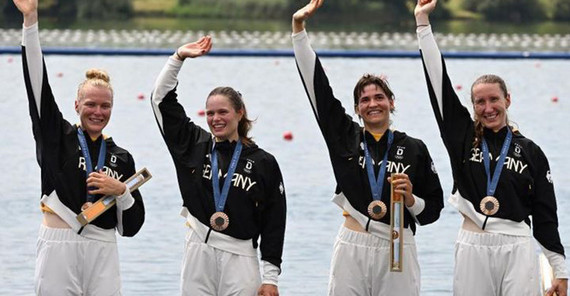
{"x": 488, "y": 107}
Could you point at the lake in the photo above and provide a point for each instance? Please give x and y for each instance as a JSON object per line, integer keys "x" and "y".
{"x": 151, "y": 261}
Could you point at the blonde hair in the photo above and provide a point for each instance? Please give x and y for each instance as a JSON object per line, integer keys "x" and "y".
{"x": 95, "y": 77}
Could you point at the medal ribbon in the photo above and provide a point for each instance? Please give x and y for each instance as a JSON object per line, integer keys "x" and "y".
{"x": 377, "y": 185}
{"x": 492, "y": 184}
{"x": 220, "y": 198}
{"x": 87, "y": 156}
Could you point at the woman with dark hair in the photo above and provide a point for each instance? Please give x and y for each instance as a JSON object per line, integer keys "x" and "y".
{"x": 79, "y": 165}
{"x": 366, "y": 162}
{"x": 494, "y": 251}
{"x": 232, "y": 190}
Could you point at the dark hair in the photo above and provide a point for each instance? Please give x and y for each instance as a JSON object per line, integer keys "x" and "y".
{"x": 368, "y": 79}
{"x": 484, "y": 79}
{"x": 236, "y": 100}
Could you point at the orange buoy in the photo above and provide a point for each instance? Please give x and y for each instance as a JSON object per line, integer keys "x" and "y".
{"x": 140, "y": 96}
{"x": 554, "y": 99}
{"x": 201, "y": 112}
{"x": 288, "y": 136}
{"x": 458, "y": 87}
{"x": 59, "y": 74}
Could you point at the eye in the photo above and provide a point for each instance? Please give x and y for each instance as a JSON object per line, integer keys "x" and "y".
{"x": 364, "y": 100}
{"x": 209, "y": 113}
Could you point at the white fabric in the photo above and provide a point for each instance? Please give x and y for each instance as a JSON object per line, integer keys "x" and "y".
{"x": 494, "y": 264}
{"x": 557, "y": 262}
{"x": 210, "y": 271}
{"x": 306, "y": 59}
{"x": 434, "y": 65}
{"x": 219, "y": 240}
{"x": 89, "y": 231}
{"x": 70, "y": 264}
{"x": 166, "y": 81}
{"x": 31, "y": 41}
{"x": 375, "y": 228}
{"x": 494, "y": 224}
{"x": 417, "y": 208}
{"x": 360, "y": 267}
{"x": 270, "y": 273}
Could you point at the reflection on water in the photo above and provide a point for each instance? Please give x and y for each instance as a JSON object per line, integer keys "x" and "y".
{"x": 150, "y": 262}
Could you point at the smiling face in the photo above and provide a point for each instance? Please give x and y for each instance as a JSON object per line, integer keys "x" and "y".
{"x": 94, "y": 109}
{"x": 490, "y": 104}
{"x": 374, "y": 107}
{"x": 222, "y": 118}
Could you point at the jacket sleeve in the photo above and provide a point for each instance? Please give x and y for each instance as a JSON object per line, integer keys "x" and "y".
{"x": 544, "y": 216}
{"x": 454, "y": 121}
{"x": 47, "y": 120}
{"x": 273, "y": 215}
{"x": 130, "y": 208}
{"x": 428, "y": 188}
{"x": 178, "y": 131}
{"x": 336, "y": 126}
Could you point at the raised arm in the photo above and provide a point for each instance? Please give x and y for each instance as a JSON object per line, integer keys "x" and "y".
{"x": 177, "y": 129}
{"x": 303, "y": 14}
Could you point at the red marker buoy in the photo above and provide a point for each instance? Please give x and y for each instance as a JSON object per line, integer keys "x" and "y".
{"x": 140, "y": 96}
{"x": 537, "y": 65}
{"x": 10, "y": 60}
{"x": 201, "y": 112}
{"x": 59, "y": 74}
{"x": 554, "y": 99}
{"x": 458, "y": 87}
{"x": 288, "y": 136}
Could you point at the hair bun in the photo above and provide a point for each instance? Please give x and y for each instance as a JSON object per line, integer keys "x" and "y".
{"x": 97, "y": 74}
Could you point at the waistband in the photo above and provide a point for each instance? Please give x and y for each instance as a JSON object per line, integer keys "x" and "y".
{"x": 68, "y": 235}
{"x": 376, "y": 228}
{"x": 89, "y": 231}
{"x": 218, "y": 240}
{"x": 490, "y": 239}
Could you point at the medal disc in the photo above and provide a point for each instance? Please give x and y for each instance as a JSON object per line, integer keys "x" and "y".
{"x": 489, "y": 205}
{"x": 377, "y": 209}
{"x": 219, "y": 221}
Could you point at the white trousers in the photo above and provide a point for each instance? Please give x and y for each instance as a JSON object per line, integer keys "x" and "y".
{"x": 69, "y": 264}
{"x": 360, "y": 267}
{"x": 210, "y": 271}
{"x": 493, "y": 264}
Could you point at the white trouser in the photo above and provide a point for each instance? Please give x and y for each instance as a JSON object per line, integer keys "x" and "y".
{"x": 69, "y": 264}
{"x": 210, "y": 271}
{"x": 494, "y": 264}
{"x": 360, "y": 267}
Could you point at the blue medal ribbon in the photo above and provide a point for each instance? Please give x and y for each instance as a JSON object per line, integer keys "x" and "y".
{"x": 492, "y": 184}
{"x": 220, "y": 198}
{"x": 376, "y": 185}
{"x": 87, "y": 156}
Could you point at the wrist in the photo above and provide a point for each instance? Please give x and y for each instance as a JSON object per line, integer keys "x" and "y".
{"x": 178, "y": 56}
{"x": 30, "y": 18}
{"x": 422, "y": 20}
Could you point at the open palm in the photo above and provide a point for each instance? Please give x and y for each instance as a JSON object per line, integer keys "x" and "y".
{"x": 196, "y": 49}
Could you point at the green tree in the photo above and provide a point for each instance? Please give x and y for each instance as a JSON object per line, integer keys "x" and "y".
{"x": 561, "y": 10}
{"x": 104, "y": 9}
{"x": 511, "y": 10}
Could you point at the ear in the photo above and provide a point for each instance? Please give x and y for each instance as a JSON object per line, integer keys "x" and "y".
{"x": 508, "y": 99}
{"x": 392, "y": 106}
{"x": 77, "y": 106}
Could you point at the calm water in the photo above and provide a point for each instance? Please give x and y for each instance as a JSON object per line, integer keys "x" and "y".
{"x": 150, "y": 262}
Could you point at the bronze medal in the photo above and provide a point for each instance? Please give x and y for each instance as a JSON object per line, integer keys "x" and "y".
{"x": 489, "y": 205}
{"x": 219, "y": 221}
{"x": 377, "y": 209}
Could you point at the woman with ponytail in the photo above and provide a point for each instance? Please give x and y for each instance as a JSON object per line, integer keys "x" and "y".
{"x": 79, "y": 165}
{"x": 501, "y": 180}
{"x": 232, "y": 190}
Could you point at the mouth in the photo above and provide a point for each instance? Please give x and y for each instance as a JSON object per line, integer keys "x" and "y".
{"x": 491, "y": 116}
{"x": 96, "y": 120}
{"x": 374, "y": 112}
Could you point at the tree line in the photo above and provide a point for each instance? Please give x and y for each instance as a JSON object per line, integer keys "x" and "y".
{"x": 387, "y": 11}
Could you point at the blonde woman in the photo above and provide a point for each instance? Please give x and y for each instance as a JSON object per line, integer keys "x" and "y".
{"x": 78, "y": 166}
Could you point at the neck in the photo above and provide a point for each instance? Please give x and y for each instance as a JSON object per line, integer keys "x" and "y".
{"x": 497, "y": 129}
{"x": 229, "y": 139}
{"x": 380, "y": 129}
